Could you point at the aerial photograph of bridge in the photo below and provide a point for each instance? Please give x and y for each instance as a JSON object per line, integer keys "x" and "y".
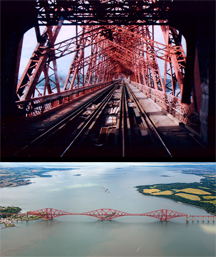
{"x": 108, "y": 209}
{"x": 108, "y": 79}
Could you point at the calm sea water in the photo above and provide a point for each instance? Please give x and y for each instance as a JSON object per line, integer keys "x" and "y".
{"x": 87, "y": 236}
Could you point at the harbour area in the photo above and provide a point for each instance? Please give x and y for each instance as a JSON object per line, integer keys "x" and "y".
{"x": 9, "y": 215}
{"x": 9, "y": 222}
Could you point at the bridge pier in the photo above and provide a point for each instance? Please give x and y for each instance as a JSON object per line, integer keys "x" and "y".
{"x": 197, "y": 219}
{"x": 192, "y": 219}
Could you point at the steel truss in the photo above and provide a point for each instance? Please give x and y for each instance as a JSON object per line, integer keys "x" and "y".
{"x": 101, "y": 53}
{"x": 102, "y": 11}
{"x": 109, "y": 214}
{"x": 48, "y": 213}
{"x": 164, "y": 214}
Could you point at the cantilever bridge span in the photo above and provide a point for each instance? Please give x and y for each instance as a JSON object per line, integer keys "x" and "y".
{"x": 109, "y": 214}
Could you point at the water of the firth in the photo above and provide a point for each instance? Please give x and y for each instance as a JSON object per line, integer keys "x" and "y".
{"x": 86, "y": 236}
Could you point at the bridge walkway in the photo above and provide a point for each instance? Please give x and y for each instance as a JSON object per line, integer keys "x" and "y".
{"x": 180, "y": 139}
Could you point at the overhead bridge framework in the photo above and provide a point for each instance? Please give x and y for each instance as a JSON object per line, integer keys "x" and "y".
{"x": 102, "y": 53}
{"x": 116, "y": 40}
{"x": 109, "y": 214}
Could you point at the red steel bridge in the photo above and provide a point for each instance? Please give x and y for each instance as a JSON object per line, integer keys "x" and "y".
{"x": 109, "y": 214}
{"x": 113, "y": 39}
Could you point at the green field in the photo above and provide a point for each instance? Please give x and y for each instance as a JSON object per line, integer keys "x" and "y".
{"x": 201, "y": 194}
{"x": 167, "y": 192}
{"x": 187, "y": 196}
{"x": 194, "y": 191}
{"x": 150, "y": 191}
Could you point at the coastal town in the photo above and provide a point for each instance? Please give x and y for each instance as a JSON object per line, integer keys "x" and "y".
{"x": 7, "y": 222}
{"x": 8, "y": 215}
{"x": 16, "y": 176}
{"x": 19, "y": 176}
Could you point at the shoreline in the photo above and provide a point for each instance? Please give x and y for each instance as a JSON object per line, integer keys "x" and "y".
{"x": 9, "y": 225}
{"x": 11, "y": 179}
{"x": 206, "y": 186}
{"x": 179, "y": 202}
{"x": 6, "y": 225}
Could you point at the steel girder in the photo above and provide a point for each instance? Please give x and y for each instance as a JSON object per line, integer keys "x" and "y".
{"x": 106, "y": 214}
{"x": 109, "y": 214}
{"x": 49, "y": 213}
{"x": 101, "y": 53}
{"x": 102, "y": 11}
{"x": 177, "y": 61}
{"x": 39, "y": 62}
{"x": 164, "y": 214}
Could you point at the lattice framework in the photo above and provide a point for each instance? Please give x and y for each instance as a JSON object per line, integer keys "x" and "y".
{"x": 101, "y": 53}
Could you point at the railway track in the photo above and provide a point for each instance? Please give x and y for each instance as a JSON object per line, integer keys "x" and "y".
{"x": 121, "y": 130}
{"x": 167, "y": 139}
{"x": 52, "y": 142}
{"x": 111, "y": 124}
{"x": 125, "y": 129}
{"x": 147, "y": 129}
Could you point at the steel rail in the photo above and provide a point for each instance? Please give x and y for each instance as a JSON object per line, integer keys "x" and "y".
{"x": 70, "y": 117}
{"x": 123, "y": 120}
{"x": 117, "y": 132}
{"x": 193, "y": 136}
{"x": 89, "y": 121}
{"x": 149, "y": 122}
{"x": 123, "y": 125}
{"x": 140, "y": 126}
{"x": 96, "y": 118}
{"x": 127, "y": 121}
